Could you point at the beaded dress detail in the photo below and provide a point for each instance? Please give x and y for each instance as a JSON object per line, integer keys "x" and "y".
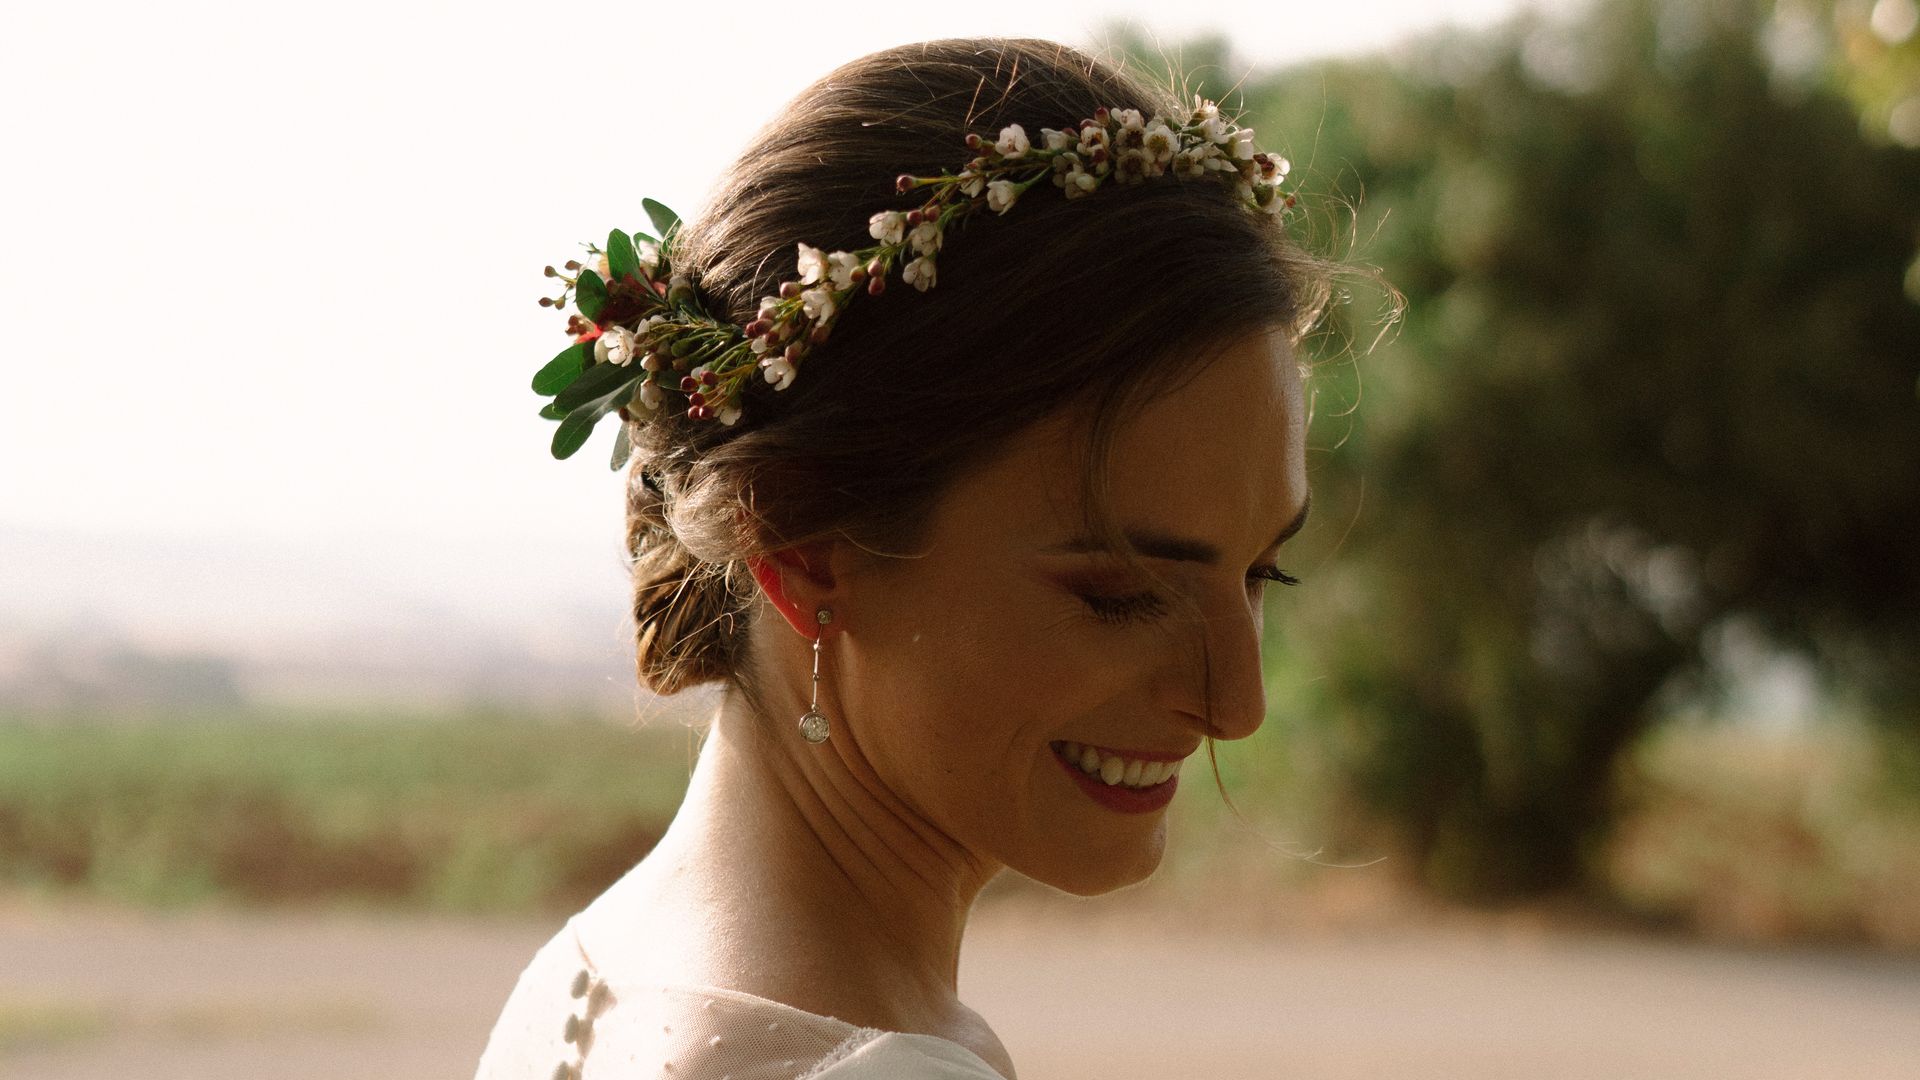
{"x": 568, "y": 1020}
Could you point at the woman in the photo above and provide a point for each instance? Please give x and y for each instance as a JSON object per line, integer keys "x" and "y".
{"x": 999, "y": 546}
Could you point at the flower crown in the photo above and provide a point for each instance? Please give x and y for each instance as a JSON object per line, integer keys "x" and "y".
{"x": 633, "y": 304}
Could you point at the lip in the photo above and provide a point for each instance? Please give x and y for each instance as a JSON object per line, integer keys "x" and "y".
{"x": 1142, "y": 755}
{"x": 1126, "y": 800}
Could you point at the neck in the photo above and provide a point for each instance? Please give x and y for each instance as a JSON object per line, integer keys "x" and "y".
{"x": 798, "y": 852}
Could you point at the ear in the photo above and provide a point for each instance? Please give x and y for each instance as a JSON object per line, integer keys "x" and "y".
{"x": 797, "y": 581}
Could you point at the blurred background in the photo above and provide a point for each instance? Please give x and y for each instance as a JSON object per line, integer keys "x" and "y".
{"x": 1594, "y": 746}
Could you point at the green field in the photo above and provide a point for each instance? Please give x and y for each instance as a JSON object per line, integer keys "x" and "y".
{"x": 1759, "y": 838}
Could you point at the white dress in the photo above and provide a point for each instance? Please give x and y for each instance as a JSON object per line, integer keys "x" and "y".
{"x": 568, "y": 1020}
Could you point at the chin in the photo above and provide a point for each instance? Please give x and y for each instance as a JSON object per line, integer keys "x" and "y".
{"x": 1088, "y": 871}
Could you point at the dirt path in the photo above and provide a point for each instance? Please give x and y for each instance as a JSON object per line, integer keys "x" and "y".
{"x": 1075, "y": 992}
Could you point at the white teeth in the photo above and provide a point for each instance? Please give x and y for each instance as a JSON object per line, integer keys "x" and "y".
{"x": 1113, "y": 769}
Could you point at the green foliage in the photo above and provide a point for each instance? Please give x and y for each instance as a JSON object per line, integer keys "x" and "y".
{"x": 590, "y": 295}
{"x": 622, "y": 260}
{"x": 664, "y": 220}
{"x": 560, "y": 372}
{"x": 1658, "y": 371}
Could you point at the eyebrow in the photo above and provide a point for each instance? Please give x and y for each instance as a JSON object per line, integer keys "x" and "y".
{"x": 1158, "y": 545}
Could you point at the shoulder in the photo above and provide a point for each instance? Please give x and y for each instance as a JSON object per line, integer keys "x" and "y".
{"x": 892, "y": 1055}
{"x": 530, "y": 1035}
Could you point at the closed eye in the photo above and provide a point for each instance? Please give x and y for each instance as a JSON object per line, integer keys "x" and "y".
{"x": 1140, "y": 607}
{"x": 1274, "y": 573}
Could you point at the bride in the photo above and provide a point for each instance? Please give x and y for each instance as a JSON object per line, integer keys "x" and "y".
{"x": 976, "y": 550}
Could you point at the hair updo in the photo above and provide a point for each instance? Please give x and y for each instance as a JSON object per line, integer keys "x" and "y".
{"x": 1059, "y": 303}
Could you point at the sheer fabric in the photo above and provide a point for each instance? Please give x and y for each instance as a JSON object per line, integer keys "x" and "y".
{"x": 567, "y": 1020}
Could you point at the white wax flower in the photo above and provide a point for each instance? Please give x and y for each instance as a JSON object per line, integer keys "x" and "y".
{"x": 1000, "y": 195}
{"x": 888, "y": 226}
{"x": 614, "y": 346}
{"x": 813, "y": 264}
{"x": 840, "y": 267}
{"x": 818, "y": 304}
{"x": 1012, "y": 142}
{"x": 920, "y": 273}
{"x": 1159, "y": 144}
{"x": 925, "y": 238}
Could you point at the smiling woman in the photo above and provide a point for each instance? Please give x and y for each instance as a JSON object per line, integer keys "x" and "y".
{"x": 1000, "y": 551}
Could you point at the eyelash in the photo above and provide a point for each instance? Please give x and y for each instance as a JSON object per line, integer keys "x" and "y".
{"x": 1142, "y": 606}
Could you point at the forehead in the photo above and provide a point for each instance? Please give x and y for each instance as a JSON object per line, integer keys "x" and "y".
{"x": 1220, "y": 456}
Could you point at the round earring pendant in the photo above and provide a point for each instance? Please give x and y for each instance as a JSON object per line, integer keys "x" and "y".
{"x": 813, "y": 726}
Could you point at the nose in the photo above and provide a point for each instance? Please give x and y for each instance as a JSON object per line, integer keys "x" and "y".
{"x": 1227, "y": 680}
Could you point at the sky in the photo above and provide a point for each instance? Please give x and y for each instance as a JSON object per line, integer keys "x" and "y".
{"x": 268, "y": 273}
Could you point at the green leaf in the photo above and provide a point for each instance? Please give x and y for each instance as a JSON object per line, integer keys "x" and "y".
{"x": 622, "y": 259}
{"x": 595, "y": 381}
{"x": 551, "y": 411}
{"x": 622, "y": 449}
{"x": 663, "y": 219}
{"x": 590, "y": 294}
{"x": 573, "y": 431}
{"x": 562, "y": 369}
{"x": 640, "y": 237}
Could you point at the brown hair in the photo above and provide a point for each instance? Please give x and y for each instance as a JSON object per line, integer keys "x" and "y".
{"x": 1058, "y": 304}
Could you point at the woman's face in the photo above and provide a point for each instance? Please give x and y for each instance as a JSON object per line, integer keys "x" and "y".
{"x": 998, "y": 684}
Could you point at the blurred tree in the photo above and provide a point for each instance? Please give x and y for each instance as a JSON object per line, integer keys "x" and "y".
{"x": 1658, "y": 372}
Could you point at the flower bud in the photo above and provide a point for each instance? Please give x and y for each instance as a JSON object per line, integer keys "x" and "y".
{"x": 794, "y": 352}
{"x": 789, "y": 290}
{"x": 903, "y": 183}
{"x": 708, "y": 378}
{"x": 876, "y": 285}
{"x": 688, "y": 383}
{"x": 1100, "y": 115}
{"x": 696, "y": 398}
{"x": 551, "y": 272}
{"x": 914, "y": 217}
{"x": 572, "y": 264}
{"x": 758, "y": 327}
{"x": 973, "y": 141}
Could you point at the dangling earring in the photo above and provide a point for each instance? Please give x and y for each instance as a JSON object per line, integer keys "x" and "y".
{"x": 813, "y": 723}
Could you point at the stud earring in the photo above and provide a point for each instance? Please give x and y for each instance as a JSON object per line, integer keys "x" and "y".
{"x": 813, "y": 723}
